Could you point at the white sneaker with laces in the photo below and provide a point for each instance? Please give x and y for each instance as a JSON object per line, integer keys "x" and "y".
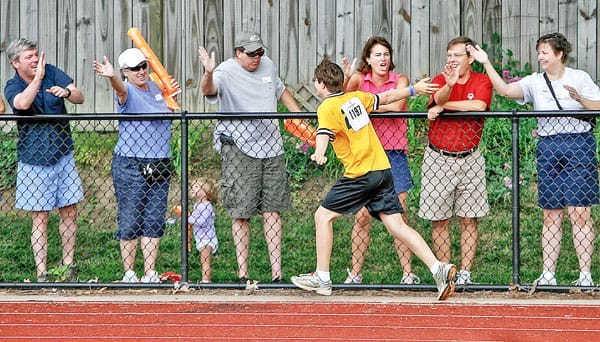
{"x": 353, "y": 278}
{"x": 151, "y": 277}
{"x": 586, "y": 281}
{"x": 311, "y": 282}
{"x": 545, "y": 280}
{"x": 410, "y": 279}
{"x": 445, "y": 279}
{"x": 464, "y": 277}
{"x": 130, "y": 277}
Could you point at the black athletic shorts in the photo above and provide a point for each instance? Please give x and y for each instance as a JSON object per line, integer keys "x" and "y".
{"x": 374, "y": 190}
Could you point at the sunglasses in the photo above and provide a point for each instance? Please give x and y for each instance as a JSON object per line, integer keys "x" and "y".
{"x": 252, "y": 54}
{"x": 138, "y": 67}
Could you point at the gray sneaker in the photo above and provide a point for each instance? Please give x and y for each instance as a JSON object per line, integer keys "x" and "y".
{"x": 445, "y": 279}
{"x": 71, "y": 273}
{"x": 310, "y": 282}
{"x": 43, "y": 278}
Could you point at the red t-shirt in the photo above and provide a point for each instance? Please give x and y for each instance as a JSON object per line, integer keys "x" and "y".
{"x": 461, "y": 134}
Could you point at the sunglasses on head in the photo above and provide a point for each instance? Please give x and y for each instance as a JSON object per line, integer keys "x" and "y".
{"x": 252, "y": 54}
{"x": 138, "y": 67}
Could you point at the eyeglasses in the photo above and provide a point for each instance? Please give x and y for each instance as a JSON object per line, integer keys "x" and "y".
{"x": 456, "y": 55}
{"x": 252, "y": 54}
{"x": 138, "y": 67}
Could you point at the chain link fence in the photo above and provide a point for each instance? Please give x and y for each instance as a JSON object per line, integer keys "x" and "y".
{"x": 250, "y": 207}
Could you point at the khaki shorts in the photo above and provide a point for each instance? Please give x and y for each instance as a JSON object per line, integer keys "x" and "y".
{"x": 453, "y": 185}
{"x": 253, "y": 186}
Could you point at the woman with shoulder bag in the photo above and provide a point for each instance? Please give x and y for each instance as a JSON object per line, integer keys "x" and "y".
{"x": 141, "y": 165}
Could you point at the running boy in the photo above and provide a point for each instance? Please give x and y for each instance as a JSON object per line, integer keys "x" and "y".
{"x": 367, "y": 181}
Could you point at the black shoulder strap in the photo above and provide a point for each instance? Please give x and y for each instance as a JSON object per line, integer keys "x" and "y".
{"x": 552, "y": 91}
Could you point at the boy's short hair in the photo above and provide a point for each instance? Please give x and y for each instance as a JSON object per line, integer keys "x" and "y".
{"x": 330, "y": 74}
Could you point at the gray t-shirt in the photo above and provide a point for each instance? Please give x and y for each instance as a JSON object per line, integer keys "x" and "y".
{"x": 239, "y": 90}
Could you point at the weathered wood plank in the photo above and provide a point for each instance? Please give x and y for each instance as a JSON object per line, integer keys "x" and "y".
{"x": 587, "y": 37}
{"x": 420, "y": 48}
{"x": 365, "y": 24}
{"x": 401, "y": 39}
{"x": 326, "y": 30}
{"x": 195, "y": 26}
{"x": 307, "y": 38}
{"x": 273, "y": 18}
{"x": 567, "y": 24}
{"x": 492, "y": 24}
{"x": 83, "y": 49}
{"x": 102, "y": 97}
{"x": 511, "y": 26}
{"x": 344, "y": 28}
{"x": 288, "y": 43}
{"x": 530, "y": 28}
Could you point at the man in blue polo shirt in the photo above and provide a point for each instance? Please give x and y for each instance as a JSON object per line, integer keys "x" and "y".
{"x": 46, "y": 174}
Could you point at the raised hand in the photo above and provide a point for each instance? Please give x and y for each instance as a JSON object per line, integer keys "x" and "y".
{"x": 40, "y": 71}
{"x": 348, "y": 68}
{"x": 104, "y": 70}
{"x": 424, "y": 87}
{"x": 478, "y": 53}
{"x": 208, "y": 62}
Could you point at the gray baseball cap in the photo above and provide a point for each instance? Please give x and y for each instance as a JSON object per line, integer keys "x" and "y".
{"x": 250, "y": 41}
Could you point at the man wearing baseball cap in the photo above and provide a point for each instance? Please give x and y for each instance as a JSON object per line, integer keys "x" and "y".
{"x": 254, "y": 172}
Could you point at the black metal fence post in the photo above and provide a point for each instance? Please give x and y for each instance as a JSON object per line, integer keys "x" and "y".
{"x": 516, "y": 204}
{"x": 184, "y": 197}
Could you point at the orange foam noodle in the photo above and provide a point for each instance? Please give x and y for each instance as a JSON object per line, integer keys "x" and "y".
{"x": 301, "y": 130}
{"x": 165, "y": 79}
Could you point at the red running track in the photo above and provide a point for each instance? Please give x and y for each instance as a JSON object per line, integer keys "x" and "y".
{"x": 295, "y": 321}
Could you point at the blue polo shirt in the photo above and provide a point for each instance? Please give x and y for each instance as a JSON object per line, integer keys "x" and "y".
{"x": 42, "y": 143}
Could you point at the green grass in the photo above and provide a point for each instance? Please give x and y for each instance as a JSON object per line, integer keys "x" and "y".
{"x": 97, "y": 251}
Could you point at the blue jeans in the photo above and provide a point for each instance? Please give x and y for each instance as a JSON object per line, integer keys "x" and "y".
{"x": 141, "y": 205}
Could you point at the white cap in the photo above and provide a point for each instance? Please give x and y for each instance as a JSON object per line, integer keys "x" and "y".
{"x": 131, "y": 58}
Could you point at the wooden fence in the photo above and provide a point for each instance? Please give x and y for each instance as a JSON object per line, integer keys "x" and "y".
{"x": 297, "y": 32}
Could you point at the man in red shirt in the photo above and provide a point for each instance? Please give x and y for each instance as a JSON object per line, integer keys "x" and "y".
{"x": 453, "y": 170}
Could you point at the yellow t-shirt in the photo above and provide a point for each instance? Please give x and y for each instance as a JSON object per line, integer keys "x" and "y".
{"x": 345, "y": 118}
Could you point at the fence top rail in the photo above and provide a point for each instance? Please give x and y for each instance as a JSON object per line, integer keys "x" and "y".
{"x": 286, "y": 115}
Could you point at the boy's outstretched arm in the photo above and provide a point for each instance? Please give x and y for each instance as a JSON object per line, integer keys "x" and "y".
{"x": 423, "y": 87}
{"x": 319, "y": 156}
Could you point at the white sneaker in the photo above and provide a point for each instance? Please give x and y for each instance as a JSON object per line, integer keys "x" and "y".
{"x": 151, "y": 277}
{"x": 585, "y": 281}
{"x": 130, "y": 277}
{"x": 544, "y": 280}
{"x": 445, "y": 279}
{"x": 311, "y": 282}
{"x": 410, "y": 279}
{"x": 353, "y": 278}
{"x": 464, "y": 277}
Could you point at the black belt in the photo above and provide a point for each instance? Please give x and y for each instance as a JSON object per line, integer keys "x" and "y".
{"x": 462, "y": 154}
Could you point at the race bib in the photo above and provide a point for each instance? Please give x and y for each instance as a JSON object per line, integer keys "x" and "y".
{"x": 356, "y": 114}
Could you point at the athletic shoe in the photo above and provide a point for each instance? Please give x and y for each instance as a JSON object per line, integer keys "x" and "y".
{"x": 464, "y": 278}
{"x": 410, "y": 279}
{"x": 353, "y": 278}
{"x": 43, "y": 278}
{"x": 310, "y": 282}
{"x": 151, "y": 277}
{"x": 585, "y": 281}
{"x": 130, "y": 277}
{"x": 277, "y": 280}
{"x": 71, "y": 273}
{"x": 544, "y": 281}
{"x": 445, "y": 280}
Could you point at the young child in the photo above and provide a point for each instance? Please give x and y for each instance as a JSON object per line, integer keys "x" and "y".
{"x": 202, "y": 220}
{"x": 367, "y": 181}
